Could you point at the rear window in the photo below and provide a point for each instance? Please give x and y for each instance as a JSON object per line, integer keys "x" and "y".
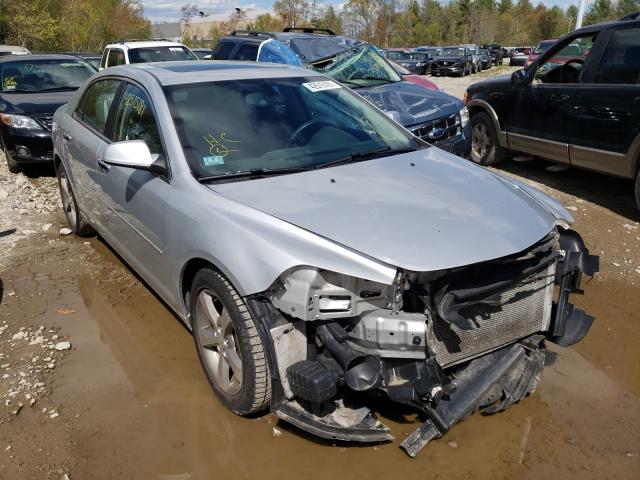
{"x": 116, "y": 57}
{"x": 160, "y": 54}
{"x": 620, "y": 63}
{"x": 223, "y": 50}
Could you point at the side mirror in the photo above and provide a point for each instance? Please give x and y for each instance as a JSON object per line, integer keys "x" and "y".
{"x": 133, "y": 154}
{"x": 519, "y": 77}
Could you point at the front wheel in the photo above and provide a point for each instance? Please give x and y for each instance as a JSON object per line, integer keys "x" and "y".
{"x": 11, "y": 162}
{"x": 70, "y": 206}
{"x": 229, "y": 345}
{"x": 485, "y": 148}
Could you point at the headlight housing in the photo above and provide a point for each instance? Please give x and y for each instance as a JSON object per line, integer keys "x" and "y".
{"x": 19, "y": 121}
{"x": 464, "y": 117}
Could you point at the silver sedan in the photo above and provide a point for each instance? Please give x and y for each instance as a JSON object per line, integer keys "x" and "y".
{"x": 318, "y": 250}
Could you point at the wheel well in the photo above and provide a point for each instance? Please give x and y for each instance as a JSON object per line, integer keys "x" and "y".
{"x": 189, "y": 272}
{"x": 56, "y": 162}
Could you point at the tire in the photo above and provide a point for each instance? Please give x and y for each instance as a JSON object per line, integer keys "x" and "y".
{"x": 485, "y": 148}
{"x": 637, "y": 189}
{"x": 70, "y": 206}
{"x": 229, "y": 346}
{"x": 11, "y": 162}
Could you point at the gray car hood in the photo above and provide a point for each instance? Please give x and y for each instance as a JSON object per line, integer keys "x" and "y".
{"x": 422, "y": 211}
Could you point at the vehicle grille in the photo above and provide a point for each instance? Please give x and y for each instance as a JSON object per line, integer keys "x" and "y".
{"x": 438, "y": 130}
{"x": 44, "y": 120}
{"x": 446, "y": 63}
{"x": 517, "y": 319}
{"x": 48, "y": 154}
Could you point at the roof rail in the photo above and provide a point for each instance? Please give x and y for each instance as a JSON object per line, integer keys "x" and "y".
{"x": 251, "y": 33}
{"x": 631, "y": 16}
{"x": 125, "y": 40}
{"x": 324, "y": 31}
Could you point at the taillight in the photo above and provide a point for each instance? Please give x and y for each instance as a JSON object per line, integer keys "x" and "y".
{"x": 465, "y": 99}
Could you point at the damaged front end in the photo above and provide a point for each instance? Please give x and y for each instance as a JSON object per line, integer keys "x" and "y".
{"x": 446, "y": 343}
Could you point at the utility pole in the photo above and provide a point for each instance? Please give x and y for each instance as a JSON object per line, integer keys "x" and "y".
{"x": 580, "y": 14}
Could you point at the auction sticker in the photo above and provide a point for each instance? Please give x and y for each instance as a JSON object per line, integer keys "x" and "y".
{"x": 321, "y": 86}
{"x": 213, "y": 160}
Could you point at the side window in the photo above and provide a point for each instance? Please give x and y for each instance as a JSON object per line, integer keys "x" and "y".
{"x": 566, "y": 65}
{"x": 247, "y": 52}
{"x": 95, "y": 109}
{"x": 103, "y": 60}
{"x": 620, "y": 62}
{"x": 223, "y": 50}
{"x": 135, "y": 119}
{"x": 116, "y": 57}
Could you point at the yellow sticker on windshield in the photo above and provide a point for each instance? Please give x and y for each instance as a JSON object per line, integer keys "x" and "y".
{"x": 9, "y": 83}
{"x": 217, "y": 147}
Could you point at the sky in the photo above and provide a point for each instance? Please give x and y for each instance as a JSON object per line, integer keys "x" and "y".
{"x": 169, "y": 11}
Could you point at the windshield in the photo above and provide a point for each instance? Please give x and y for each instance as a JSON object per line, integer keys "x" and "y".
{"x": 484, "y": 52}
{"x": 360, "y": 66}
{"x": 160, "y": 54}
{"x": 543, "y": 47}
{"x": 452, "y": 52}
{"x": 278, "y": 123}
{"x": 44, "y": 75}
{"x": 314, "y": 47}
{"x": 423, "y": 57}
{"x": 397, "y": 55}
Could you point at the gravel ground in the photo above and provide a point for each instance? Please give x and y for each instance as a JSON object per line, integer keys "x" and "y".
{"x": 98, "y": 379}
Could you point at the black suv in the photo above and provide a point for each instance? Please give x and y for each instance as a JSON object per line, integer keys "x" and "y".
{"x": 496, "y": 52}
{"x": 581, "y": 109}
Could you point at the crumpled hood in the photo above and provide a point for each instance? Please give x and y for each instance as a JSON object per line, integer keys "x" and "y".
{"x": 412, "y": 104}
{"x": 34, "y": 103}
{"x": 441, "y": 212}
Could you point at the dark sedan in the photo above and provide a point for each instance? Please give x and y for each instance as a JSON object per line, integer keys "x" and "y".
{"x": 31, "y": 89}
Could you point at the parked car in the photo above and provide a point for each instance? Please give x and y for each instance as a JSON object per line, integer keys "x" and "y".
{"x": 32, "y": 87}
{"x": 580, "y": 112}
{"x": 476, "y": 58}
{"x": 453, "y": 61}
{"x": 126, "y": 52}
{"x": 518, "y": 56}
{"x": 421, "y": 80}
{"x": 496, "y": 52}
{"x": 434, "y": 116}
{"x": 417, "y": 63}
{"x": 203, "y": 53}
{"x": 92, "y": 58}
{"x": 485, "y": 59}
{"x": 328, "y": 258}
{"x": 542, "y": 47}
{"x": 13, "y": 50}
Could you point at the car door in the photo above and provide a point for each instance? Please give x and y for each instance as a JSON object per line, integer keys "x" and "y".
{"x": 538, "y": 122}
{"x": 606, "y": 112}
{"x": 84, "y": 139}
{"x": 136, "y": 200}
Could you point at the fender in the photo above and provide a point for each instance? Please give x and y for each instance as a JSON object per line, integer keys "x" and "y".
{"x": 482, "y": 104}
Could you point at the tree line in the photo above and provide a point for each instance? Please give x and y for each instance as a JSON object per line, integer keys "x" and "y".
{"x": 71, "y": 25}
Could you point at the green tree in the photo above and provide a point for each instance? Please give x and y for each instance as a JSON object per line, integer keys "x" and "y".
{"x": 599, "y": 11}
{"x": 330, "y": 20}
{"x": 505, "y": 6}
{"x": 627, "y": 6}
{"x": 294, "y": 13}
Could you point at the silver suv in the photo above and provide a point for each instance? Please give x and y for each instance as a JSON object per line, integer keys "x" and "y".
{"x": 319, "y": 251}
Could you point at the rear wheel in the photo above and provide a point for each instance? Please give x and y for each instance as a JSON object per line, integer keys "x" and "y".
{"x": 485, "y": 148}
{"x": 228, "y": 343}
{"x": 70, "y": 206}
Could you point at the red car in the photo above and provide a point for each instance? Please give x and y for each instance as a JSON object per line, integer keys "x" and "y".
{"x": 417, "y": 79}
{"x": 542, "y": 47}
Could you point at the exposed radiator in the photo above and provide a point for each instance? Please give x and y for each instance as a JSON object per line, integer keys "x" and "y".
{"x": 512, "y": 321}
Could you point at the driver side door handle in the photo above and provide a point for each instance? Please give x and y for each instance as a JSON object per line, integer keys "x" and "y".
{"x": 559, "y": 98}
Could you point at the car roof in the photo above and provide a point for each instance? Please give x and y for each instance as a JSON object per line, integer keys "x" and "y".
{"x": 145, "y": 44}
{"x": 43, "y": 56}
{"x": 176, "y": 73}
{"x": 12, "y": 48}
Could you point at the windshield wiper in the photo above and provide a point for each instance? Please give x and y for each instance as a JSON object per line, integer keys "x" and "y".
{"x": 18, "y": 90}
{"x": 253, "y": 173}
{"x": 378, "y": 79}
{"x": 359, "y": 157}
{"x": 58, "y": 89}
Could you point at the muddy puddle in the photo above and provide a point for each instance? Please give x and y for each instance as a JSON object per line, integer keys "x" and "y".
{"x": 134, "y": 403}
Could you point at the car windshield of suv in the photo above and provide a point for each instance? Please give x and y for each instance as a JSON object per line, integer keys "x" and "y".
{"x": 452, "y": 52}
{"x": 44, "y": 75}
{"x": 241, "y": 128}
{"x": 484, "y": 52}
{"x": 422, "y": 57}
{"x": 160, "y": 54}
{"x": 397, "y": 55}
{"x": 314, "y": 47}
{"x": 543, "y": 47}
{"x": 361, "y": 66}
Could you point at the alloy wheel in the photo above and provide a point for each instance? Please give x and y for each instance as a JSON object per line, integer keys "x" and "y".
{"x": 480, "y": 140}
{"x": 67, "y": 200}
{"x": 218, "y": 343}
